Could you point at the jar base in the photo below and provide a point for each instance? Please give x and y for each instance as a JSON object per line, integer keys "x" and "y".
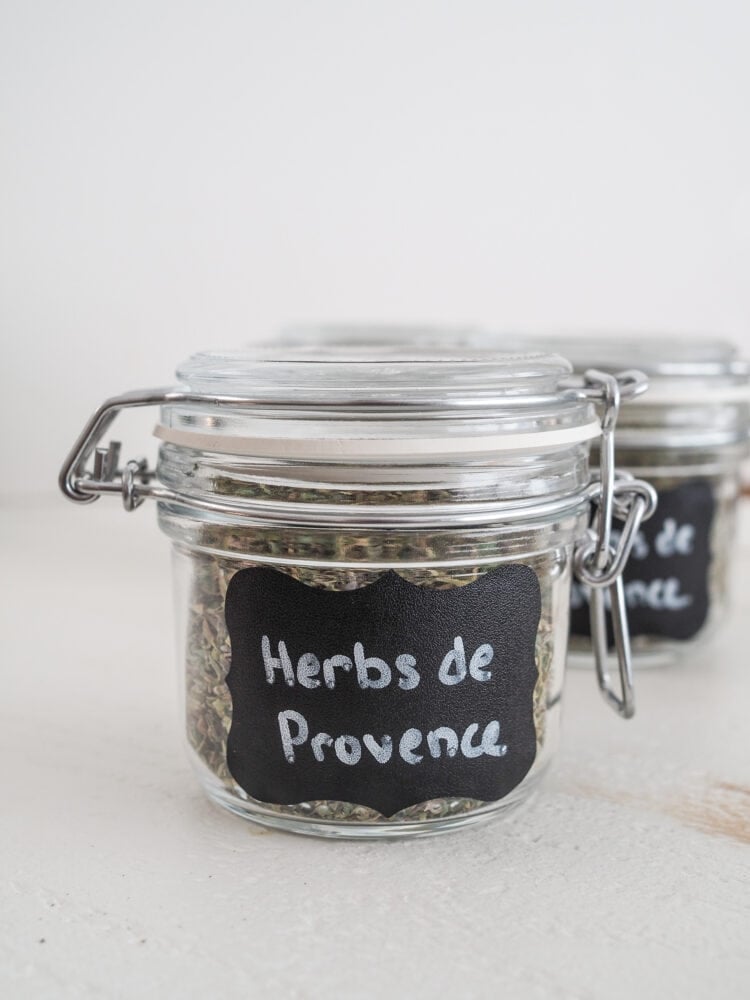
{"x": 354, "y": 830}
{"x": 646, "y": 651}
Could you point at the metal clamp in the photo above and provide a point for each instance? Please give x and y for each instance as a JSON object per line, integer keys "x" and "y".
{"x": 599, "y": 563}
{"x": 133, "y": 482}
{"x": 84, "y": 485}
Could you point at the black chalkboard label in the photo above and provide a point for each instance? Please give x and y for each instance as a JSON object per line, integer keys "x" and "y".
{"x": 385, "y": 696}
{"x": 667, "y": 577}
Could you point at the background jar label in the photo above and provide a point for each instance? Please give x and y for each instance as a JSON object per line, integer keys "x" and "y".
{"x": 385, "y": 696}
{"x": 667, "y": 576}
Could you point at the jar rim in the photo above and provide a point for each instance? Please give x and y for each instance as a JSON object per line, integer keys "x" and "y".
{"x": 657, "y": 354}
{"x": 404, "y": 376}
{"x": 679, "y": 368}
{"x": 348, "y": 404}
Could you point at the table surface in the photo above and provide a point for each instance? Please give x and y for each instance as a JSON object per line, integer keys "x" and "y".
{"x": 627, "y": 876}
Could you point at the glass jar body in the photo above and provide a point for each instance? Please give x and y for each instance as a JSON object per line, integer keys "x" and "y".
{"x": 209, "y": 551}
{"x": 681, "y": 565}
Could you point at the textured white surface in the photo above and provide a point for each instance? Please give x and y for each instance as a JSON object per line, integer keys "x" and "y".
{"x": 626, "y": 878}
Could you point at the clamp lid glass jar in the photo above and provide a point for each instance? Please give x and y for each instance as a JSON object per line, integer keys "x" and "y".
{"x": 687, "y": 435}
{"x": 373, "y": 559}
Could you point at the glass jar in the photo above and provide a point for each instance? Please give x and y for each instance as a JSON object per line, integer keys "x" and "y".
{"x": 373, "y": 560}
{"x": 688, "y": 437}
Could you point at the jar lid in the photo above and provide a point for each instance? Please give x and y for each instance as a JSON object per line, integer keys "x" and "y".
{"x": 382, "y": 336}
{"x": 679, "y": 369}
{"x": 352, "y": 404}
{"x": 699, "y": 389}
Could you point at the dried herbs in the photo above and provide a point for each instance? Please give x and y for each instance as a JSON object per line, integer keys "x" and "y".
{"x": 698, "y": 490}
{"x": 670, "y": 468}
{"x": 217, "y": 552}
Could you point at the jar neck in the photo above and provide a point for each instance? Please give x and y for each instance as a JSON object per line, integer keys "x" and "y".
{"x": 700, "y": 426}
{"x": 655, "y": 463}
{"x": 505, "y": 479}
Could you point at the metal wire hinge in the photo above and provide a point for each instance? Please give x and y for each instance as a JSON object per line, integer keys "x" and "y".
{"x": 108, "y": 477}
{"x": 135, "y": 482}
{"x": 599, "y": 562}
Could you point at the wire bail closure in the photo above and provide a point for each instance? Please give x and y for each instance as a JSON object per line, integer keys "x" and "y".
{"x": 598, "y": 561}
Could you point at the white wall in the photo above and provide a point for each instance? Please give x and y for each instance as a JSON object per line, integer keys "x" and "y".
{"x": 181, "y": 175}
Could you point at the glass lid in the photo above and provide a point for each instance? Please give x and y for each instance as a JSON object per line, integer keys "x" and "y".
{"x": 658, "y": 356}
{"x": 381, "y": 336}
{"x": 347, "y": 401}
{"x": 699, "y": 388}
{"x": 414, "y": 373}
{"x": 662, "y": 357}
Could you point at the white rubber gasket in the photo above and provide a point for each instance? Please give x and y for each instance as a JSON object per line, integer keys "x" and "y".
{"x": 357, "y": 448}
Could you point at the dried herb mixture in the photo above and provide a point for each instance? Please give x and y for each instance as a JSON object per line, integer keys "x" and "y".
{"x": 208, "y": 653}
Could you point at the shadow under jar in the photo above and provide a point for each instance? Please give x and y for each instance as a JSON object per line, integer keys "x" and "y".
{"x": 373, "y": 562}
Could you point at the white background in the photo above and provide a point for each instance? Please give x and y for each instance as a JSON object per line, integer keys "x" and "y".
{"x": 183, "y": 175}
